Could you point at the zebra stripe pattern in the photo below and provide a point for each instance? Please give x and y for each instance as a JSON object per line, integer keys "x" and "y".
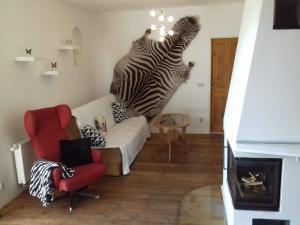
{"x": 166, "y": 78}
{"x": 41, "y": 179}
{"x": 132, "y": 70}
{"x": 147, "y": 77}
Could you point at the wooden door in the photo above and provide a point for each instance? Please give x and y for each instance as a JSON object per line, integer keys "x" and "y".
{"x": 223, "y": 53}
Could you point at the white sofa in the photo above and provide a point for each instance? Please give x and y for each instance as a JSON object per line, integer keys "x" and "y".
{"x": 128, "y": 136}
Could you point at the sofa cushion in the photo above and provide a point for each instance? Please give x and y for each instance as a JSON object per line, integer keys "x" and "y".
{"x": 119, "y": 111}
{"x": 87, "y": 113}
{"x": 97, "y": 139}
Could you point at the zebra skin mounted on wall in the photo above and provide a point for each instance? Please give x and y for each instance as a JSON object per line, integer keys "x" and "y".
{"x": 147, "y": 77}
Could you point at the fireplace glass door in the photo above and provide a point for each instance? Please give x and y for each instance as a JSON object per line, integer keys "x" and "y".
{"x": 254, "y": 182}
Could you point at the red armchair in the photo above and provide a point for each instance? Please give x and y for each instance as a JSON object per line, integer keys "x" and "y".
{"x": 46, "y": 127}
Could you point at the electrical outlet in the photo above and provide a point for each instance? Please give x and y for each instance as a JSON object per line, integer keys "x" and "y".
{"x": 1, "y": 186}
{"x": 201, "y": 119}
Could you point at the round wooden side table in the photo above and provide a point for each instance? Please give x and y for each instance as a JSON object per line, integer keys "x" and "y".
{"x": 174, "y": 125}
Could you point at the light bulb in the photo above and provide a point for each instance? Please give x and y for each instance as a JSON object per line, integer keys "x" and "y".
{"x": 171, "y": 32}
{"x": 161, "y": 18}
{"x": 161, "y": 39}
{"x": 152, "y": 13}
{"x": 162, "y": 32}
{"x": 153, "y": 27}
{"x": 170, "y": 19}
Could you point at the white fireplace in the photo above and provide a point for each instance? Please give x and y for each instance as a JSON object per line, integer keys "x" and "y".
{"x": 262, "y": 117}
{"x": 289, "y": 203}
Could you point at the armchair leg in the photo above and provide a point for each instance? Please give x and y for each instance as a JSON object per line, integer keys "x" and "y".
{"x": 86, "y": 195}
{"x": 72, "y": 196}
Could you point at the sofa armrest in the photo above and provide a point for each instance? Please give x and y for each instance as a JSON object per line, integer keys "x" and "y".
{"x": 96, "y": 155}
{"x": 112, "y": 159}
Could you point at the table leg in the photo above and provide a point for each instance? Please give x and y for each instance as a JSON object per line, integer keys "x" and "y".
{"x": 183, "y": 132}
{"x": 183, "y": 139}
{"x": 170, "y": 146}
{"x": 162, "y": 137}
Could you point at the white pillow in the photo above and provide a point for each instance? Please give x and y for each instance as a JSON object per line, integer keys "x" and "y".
{"x": 100, "y": 124}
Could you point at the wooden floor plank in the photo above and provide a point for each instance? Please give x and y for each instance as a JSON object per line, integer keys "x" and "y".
{"x": 150, "y": 194}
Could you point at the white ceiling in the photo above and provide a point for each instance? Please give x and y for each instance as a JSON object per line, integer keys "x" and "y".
{"x": 123, "y": 5}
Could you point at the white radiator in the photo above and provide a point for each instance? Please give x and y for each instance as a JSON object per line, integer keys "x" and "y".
{"x": 24, "y": 158}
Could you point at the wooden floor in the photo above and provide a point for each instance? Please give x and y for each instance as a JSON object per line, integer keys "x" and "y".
{"x": 150, "y": 194}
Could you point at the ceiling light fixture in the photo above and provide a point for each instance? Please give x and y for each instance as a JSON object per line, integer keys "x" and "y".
{"x": 161, "y": 17}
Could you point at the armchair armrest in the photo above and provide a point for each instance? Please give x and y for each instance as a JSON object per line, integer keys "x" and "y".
{"x": 56, "y": 177}
{"x": 96, "y": 155}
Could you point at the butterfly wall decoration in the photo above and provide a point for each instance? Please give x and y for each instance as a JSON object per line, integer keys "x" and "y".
{"x": 53, "y": 65}
{"x": 68, "y": 41}
{"x": 28, "y": 51}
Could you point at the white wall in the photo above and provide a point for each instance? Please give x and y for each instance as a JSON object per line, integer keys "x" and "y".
{"x": 116, "y": 31}
{"x": 40, "y": 24}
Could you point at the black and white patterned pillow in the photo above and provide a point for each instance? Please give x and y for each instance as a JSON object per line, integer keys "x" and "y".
{"x": 119, "y": 111}
{"x": 97, "y": 139}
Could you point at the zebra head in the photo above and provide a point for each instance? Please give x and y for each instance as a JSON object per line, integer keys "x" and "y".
{"x": 191, "y": 31}
{"x": 186, "y": 25}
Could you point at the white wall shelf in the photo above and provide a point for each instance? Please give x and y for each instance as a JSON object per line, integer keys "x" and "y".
{"x": 24, "y": 59}
{"x": 68, "y": 47}
{"x": 50, "y": 73}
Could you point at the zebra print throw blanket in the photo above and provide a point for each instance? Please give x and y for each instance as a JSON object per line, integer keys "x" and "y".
{"x": 41, "y": 179}
{"x": 147, "y": 77}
